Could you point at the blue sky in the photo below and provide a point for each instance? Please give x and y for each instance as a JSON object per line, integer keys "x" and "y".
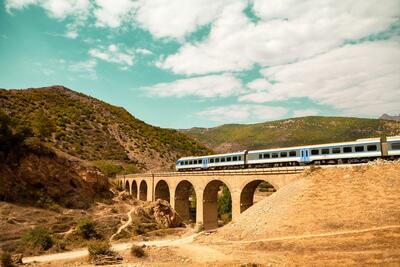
{"x": 180, "y": 64}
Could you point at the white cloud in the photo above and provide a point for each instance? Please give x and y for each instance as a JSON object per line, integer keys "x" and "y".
{"x": 288, "y": 31}
{"x": 305, "y": 112}
{"x": 113, "y": 13}
{"x": 114, "y": 54}
{"x": 206, "y": 86}
{"x": 84, "y": 69}
{"x": 358, "y": 80}
{"x": 55, "y": 8}
{"x": 143, "y": 51}
{"x": 176, "y": 18}
{"x": 242, "y": 113}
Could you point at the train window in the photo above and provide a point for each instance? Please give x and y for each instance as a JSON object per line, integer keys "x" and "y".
{"x": 190, "y": 162}
{"x": 292, "y": 154}
{"x": 240, "y": 157}
{"x": 211, "y": 160}
{"x": 234, "y": 158}
{"x": 200, "y": 161}
{"x": 359, "y": 148}
{"x": 266, "y": 156}
{"x": 259, "y": 156}
{"x": 217, "y": 160}
{"x": 195, "y": 161}
{"x": 222, "y": 159}
{"x": 315, "y": 152}
{"x": 283, "y": 154}
{"x": 372, "y": 148}
{"x": 325, "y": 151}
{"x": 336, "y": 150}
{"x": 347, "y": 149}
{"x": 228, "y": 159}
{"x": 274, "y": 155}
{"x": 396, "y": 146}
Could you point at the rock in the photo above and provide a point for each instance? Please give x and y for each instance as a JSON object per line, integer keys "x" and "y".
{"x": 106, "y": 259}
{"x": 17, "y": 258}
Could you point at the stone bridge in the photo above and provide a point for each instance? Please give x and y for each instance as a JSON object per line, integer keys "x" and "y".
{"x": 177, "y": 187}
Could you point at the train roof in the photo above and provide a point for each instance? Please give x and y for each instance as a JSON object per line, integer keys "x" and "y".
{"x": 214, "y": 155}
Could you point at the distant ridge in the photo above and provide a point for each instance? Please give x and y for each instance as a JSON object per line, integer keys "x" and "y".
{"x": 291, "y": 132}
{"x": 389, "y": 117}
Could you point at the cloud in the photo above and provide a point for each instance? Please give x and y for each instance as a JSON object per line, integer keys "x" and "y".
{"x": 288, "y": 31}
{"x": 113, "y": 54}
{"x": 55, "y": 8}
{"x": 206, "y": 86}
{"x": 242, "y": 113}
{"x": 305, "y": 112}
{"x": 358, "y": 80}
{"x": 84, "y": 69}
{"x": 113, "y": 13}
{"x": 143, "y": 51}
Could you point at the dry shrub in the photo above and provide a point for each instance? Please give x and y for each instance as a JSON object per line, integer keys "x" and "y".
{"x": 98, "y": 247}
{"x": 137, "y": 251}
{"x": 5, "y": 260}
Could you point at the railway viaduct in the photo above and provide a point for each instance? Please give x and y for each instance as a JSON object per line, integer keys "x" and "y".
{"x": 176, "y": 188}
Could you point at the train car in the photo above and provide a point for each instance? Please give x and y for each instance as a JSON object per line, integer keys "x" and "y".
{"x": 213, "y": 162}
{"x": 393, "y": 146}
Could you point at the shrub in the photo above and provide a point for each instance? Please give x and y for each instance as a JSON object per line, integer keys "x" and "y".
{"x": 137, "y": 251}
{"x": 98, "y": 247}
{"x": 38, "y": 237}
{"x": 86, "y": 229}
{"x": 6, "y": 260}
{"x": 225, "y": 202}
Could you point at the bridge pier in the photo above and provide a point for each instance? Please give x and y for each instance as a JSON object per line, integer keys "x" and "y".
{"x": 176, "y": 188}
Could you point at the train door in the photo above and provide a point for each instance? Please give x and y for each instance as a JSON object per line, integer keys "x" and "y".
{"x": 205, "y": 163}
{"x": 305, "y": 155}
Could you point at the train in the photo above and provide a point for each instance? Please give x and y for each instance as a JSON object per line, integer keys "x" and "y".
{"x": 361, "y": 150}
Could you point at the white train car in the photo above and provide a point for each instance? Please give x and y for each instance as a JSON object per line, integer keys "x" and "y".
{"x": 220, "y": 161}
{"x": 393, "y": 146}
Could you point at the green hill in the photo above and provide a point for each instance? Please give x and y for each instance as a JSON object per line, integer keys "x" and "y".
{"x": 291, "y": 132}
{"x": 83, "y": 127}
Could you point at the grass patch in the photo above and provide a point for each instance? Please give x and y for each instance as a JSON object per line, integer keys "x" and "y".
{"x": 137, "y": 251}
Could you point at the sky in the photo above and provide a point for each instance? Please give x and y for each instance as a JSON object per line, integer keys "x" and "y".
{"x": 202, "y": 63}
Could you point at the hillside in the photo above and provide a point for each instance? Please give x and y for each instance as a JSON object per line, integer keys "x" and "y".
{"x": 92, "y": 130}
{"x": 390, "y": 117}
{"x": 291, "y": 132}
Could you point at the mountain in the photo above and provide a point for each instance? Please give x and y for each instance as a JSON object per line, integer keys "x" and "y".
{"x": 389, "y": 117}
{"x": 291, "y": 132}
{"x": 88, "y": 129}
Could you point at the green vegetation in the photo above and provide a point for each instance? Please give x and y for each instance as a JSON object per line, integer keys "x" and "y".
{"x": 137, "y": 251}
{"x": 225, "y": 205}
{"x": 38, "y": 237}
{"x": 92, "y": 130}
{"x": 86, "y": 228}
{"x": 98, "y": 247}
{"x": 5, "y": 259}
{"x": 292, "y": 132}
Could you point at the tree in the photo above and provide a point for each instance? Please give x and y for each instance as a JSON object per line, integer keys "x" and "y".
{"x": 42, "y": 125}
{"x": 225, "y": 202}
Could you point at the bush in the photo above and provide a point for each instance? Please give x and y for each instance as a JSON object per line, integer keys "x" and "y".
{"x": 98, "y": 247}
{"x": 137, "y": 251}
{"x": 38, "y": 237}
{"x": 86, "y": 229}
{"x": 225, "y": 202}
{"x": 6, "y": 260}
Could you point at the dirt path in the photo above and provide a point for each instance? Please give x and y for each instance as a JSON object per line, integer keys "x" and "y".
{"x": 122, "y": 227}
{"x": 117, "y": 247}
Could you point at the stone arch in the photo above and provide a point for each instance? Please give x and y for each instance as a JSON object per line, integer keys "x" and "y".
{"x": 210, "y": 203}
{"x": 247, "y": 193}
{"x": 183, "y": 192}
{"x": 127, "y": 187}
{"x": 134, "y": 189}
{"x": 161, "y": 191}
{"x": 143, "y": 190}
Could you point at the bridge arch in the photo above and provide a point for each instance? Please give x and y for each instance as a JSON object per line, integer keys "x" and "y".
{"x": 127, "y": 186}
{"x": 210, "y": 203}
{"x": 143, "y": 190}
{"x": 134, "y": 189}
{"x": 184, "y": 194}
{"x": 161, "y": 191}
{"x": 247, "y": 193}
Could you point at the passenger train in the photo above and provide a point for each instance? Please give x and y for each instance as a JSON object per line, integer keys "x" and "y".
{"x": 361, "y": 150}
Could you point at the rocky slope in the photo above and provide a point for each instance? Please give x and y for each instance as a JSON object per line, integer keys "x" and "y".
{"x": 290, "y": 132}
{"x": 92, "y": 130}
